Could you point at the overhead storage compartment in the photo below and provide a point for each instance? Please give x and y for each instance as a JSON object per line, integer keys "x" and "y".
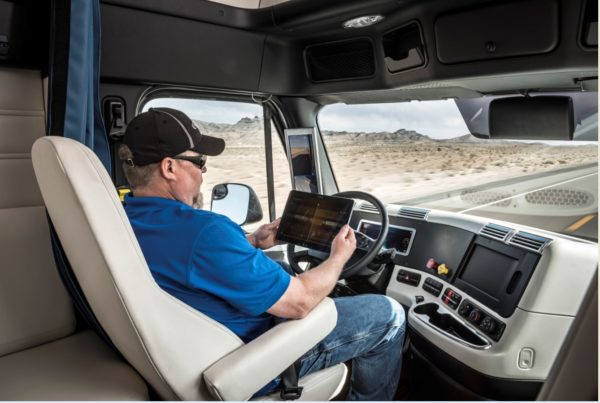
{"x": 340, "y": 60}
{"x": 403, "y": 48}
{"x": 481, "y": 34}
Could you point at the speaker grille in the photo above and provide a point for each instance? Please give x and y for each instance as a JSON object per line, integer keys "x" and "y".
{"x": 486, "y": 196}
{"x": 560, "y": 197}
{"x": 340, "y": 60}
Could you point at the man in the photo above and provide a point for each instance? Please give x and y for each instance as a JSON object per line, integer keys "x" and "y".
{"x": 205, "y": 260}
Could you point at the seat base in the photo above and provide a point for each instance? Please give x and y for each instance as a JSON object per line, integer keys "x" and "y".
{"x": 78, "y": 367}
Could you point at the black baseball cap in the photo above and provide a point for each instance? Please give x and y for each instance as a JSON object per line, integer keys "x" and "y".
{"x": 165, "y": 132}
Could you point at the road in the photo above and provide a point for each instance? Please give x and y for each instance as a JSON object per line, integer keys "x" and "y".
{"x": 563, "y": 200}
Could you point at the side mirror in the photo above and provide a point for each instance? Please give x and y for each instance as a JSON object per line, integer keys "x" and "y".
{"x": 236, "y": 201}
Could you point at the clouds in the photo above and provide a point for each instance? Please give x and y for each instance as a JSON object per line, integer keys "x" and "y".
{"x": 436, "y": 119}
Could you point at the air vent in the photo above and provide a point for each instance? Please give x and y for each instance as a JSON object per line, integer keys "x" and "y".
{"x": 366, "y": 206}
{"x": 414, "y": 213}
{"x": 529, "y": 241}
{"x": 496, "y": 231}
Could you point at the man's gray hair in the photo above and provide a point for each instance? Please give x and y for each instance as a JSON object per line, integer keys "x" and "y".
{"x": 137, "y": 176}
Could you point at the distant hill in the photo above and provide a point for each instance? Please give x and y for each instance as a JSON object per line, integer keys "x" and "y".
{"x": 467, "y": 138}
{"x": 248, "y": 131}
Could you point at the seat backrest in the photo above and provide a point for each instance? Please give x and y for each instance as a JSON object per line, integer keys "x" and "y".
{"x": 34, "y": 306}
{"x": 168, "y": 342}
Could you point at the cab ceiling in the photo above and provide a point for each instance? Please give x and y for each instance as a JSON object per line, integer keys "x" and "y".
{"x": 263, "y": 49}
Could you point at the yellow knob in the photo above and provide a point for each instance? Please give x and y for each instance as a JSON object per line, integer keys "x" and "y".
{"x": 442, "y": 269}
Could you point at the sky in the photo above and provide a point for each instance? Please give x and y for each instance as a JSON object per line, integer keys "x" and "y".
{"x": 209, "y": 111}
{"x": 436, "y": 119}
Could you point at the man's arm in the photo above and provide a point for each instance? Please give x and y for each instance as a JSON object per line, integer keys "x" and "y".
{"x": 309, "y": 288}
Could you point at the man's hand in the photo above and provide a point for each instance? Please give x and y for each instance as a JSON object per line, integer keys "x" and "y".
{"x": 343, "y": 245}
{"x": 264, "y": 236}
{"x": 309, "y": 288}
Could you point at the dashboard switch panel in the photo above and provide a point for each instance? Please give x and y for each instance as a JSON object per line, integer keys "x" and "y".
{"x": 451, "y": 298}
{"x": 409, "y": 278}
{"x": 433, "y": 287}
{"x": 478, "y": 317}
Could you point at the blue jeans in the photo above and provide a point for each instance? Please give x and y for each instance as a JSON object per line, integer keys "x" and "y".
{"x": 370, "y": 332}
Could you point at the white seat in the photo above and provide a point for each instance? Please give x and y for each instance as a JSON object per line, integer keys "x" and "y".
{"x": 42, "y": 357}
{"x": 180, "y": 352}
{"x": 79, "y": 367}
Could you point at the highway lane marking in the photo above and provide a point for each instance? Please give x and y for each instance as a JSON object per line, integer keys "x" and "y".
{"x": 526, "y": 193}
{"x": 580, "y": 223}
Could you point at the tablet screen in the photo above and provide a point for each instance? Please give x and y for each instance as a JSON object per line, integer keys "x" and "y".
{"x": 313, "y": 220}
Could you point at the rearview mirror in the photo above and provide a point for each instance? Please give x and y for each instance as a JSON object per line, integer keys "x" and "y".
{"x": 532, "y": 118}
{"x": 565, "y": 115}
{"x": 236, "y": 201}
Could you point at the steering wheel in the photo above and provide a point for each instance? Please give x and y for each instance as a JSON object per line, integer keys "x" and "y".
{"x": 368, "y": 246}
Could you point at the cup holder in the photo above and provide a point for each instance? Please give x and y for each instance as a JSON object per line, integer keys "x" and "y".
{"x": 438, "y": 317}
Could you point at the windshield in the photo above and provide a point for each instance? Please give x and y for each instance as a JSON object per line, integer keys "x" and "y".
{"x": 421, "y": 154}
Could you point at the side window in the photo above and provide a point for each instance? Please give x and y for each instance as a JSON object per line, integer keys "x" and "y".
{"x": 244, "y": 159}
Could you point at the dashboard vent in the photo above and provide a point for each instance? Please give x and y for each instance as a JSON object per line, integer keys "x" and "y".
{"x": 366, "y": 206}
{"x": 529, "y": 241}
{"x": 414, "y": 213}
{"x": 496, "y": 231}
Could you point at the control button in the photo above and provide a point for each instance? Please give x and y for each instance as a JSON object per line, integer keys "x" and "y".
{"x": 465, "y": 309}
{"x": 431, "y": 264}
{"x": 419, "y": 299}
{"x": 443, "y": 270}
{"x": 435, "y": 284}
{"x": 408, "y": 277}
{"x": 432, "y": 289}
{"x": 451, "y": 298}
{"x": 475, "y": 316}
{"x": 488, "y": 325}
{"x": 526, "y": 357}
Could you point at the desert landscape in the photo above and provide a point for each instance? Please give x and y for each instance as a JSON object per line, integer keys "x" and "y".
{"x": 393, "y": 166}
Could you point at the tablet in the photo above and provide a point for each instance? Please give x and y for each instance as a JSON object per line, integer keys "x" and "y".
{"x": 313, "y": 220}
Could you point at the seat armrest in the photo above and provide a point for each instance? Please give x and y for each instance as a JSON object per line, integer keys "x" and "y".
{"x": 244, "y": 371}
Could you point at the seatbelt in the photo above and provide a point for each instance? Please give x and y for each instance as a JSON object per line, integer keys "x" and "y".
{"x": 289, "y": 383}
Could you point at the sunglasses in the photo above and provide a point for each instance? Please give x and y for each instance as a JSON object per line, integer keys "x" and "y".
{"x": 198, "y": 160}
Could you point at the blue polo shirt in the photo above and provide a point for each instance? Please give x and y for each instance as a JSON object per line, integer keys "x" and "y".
{"x": 204, "y": 259}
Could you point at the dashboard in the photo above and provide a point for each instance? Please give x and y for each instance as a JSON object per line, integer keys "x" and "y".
{"x": 498, "y": 298}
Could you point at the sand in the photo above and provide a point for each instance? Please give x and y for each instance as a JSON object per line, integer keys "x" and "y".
{"x": 396, "y": 171}
{"x": 396, "y": 166}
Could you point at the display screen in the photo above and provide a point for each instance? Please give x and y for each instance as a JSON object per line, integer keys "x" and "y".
{"x": 303, "y": 163}
{"x": 313, "y": 220}
{"x": 399, "y": 238}
{"x": 489, "y": 271}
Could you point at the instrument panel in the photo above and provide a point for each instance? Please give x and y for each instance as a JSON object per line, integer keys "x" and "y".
{"x": 497, "y": 297}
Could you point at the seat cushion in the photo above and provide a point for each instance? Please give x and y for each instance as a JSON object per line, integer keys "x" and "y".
{"x": 78, "y": 367}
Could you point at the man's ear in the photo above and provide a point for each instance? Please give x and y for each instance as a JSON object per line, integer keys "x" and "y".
{"x": 168, "y": 168}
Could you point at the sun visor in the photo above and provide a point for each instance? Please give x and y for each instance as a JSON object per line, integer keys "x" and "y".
{"x": 532, "y": 118}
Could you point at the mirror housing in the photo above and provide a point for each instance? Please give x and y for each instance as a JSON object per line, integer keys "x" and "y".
{"x": 236, "y": 201}
{"x": 532, "y": 118}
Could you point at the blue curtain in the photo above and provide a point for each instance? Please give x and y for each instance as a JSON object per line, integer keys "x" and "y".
{"x": 83, "y": 117}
